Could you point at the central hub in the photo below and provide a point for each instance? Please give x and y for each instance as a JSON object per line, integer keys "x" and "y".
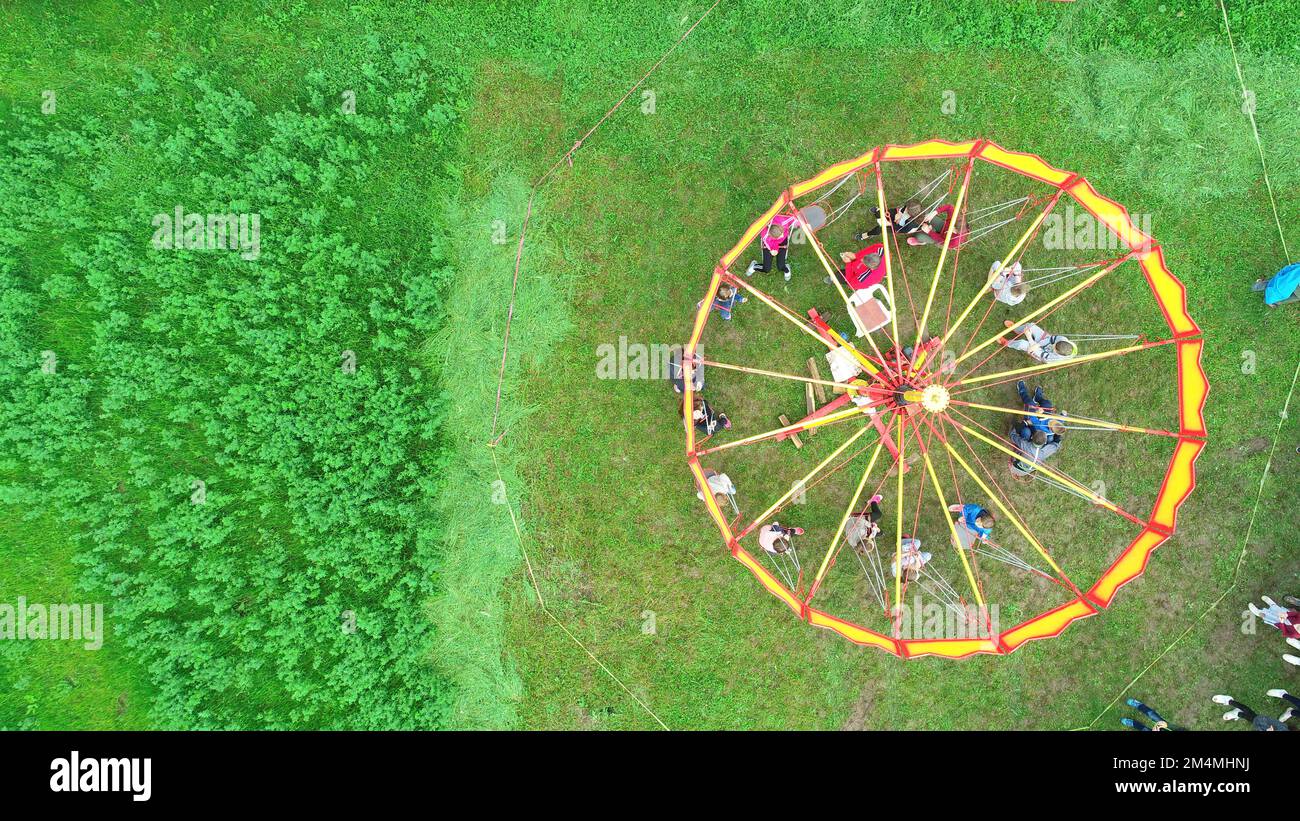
{"x": 934, "y": 398}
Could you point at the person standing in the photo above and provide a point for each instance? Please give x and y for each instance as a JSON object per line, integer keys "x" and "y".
{"x": 1282, "y": 288}
{"x": 1158, "y": 724}
{"x": 1240, "y": 711}
{"x": 775, "y": 242}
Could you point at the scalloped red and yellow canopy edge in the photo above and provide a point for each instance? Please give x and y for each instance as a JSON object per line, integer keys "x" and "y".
{"x": 1047, "y": 625}
{"x": 1193, "y": 390}
{"x": 1029, "y": 165}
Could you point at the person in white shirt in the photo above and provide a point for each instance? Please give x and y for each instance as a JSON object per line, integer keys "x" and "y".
{"x": 913, "y": 559}
{"x": 721, "y": 486}
{"x": 1008, "y": 286}
{"x": 1039, "y": 344}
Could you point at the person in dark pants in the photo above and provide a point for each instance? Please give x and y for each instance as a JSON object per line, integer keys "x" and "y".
{"x": 905, "y": 219}
{"x": 1241, "y": 711}
{"x": 706, "y": 419}
{"x": 1158, "y": 724}
{"x": 1283, "y": 288}
{"x": 1292, "y": 703}
{"x": 1053, "y": 428}
{"x": 775, "y": 242}
{"x": 677, "y": 373}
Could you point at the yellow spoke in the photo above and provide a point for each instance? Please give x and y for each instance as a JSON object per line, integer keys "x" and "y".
{"x": 1040, "y": 311}
{"x": 1046, "y": 366}
{"x": 839, "y": 531}
{"x": 898, "y": 531}
{"x": 1012, "y": 254}
{"x": 777, "y": 375}
{"x": 771, "y": 303}
{"x": 1087, "y": 493}
{"x": 886, "y": 229}
{"x": 938, "y": 271}
{"x": 825, "y": 261}
{"x": 803, "y": 483}
{"x": 952, "y": 527}
{"x": 1013, "y": 518}
{"x": 838, "y": 416}
{"x": 1079, "y": 420}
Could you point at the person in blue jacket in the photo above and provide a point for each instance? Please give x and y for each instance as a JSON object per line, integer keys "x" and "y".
{"x": 973, "y": 523}
{"x": 1281, "y": 288}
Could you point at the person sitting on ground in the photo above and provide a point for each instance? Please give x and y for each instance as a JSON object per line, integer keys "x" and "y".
{"x": 706, "y": 419}
{"x": 677, "y": 374}
{"x": 1288, "y": 621}
{"x": 934, "y": 228}
{"x": 863, "y": 528}
{"x": 1039, "y": 344}
{"x": 1008, "y": 286}
{"x": 775, "y": 538}
{"x": 905, "y": 220}
{"x": 1241, "y": 711}
{"x": 727, "y": 298}
{"x": 1282, "y": 288}
{"x": 974, "y": 523}
{"x": 720, "y": 485}
{"x": 1158, "y": 724}
{"x": 913, "y": 559}
{"x": 775, "y": 242}
{"x": 865, "y": 268}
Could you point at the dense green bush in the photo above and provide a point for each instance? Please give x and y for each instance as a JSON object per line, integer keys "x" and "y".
{"x": 177, "y": 366}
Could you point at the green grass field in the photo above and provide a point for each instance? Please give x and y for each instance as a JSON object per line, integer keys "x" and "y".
{"x": 405, "y": 230}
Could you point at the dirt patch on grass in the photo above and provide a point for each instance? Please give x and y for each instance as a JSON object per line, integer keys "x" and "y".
{"x": 863, "y": 712}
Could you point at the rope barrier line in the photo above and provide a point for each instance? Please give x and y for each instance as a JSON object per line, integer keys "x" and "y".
{"x": 567, "y": 156}
{"x": 537, "y": 590}
{"x": 495, "y": 439}
{"x": 1259, "y": 144}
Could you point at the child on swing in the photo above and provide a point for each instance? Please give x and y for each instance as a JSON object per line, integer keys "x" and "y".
{"x": 904, "y": 220}
{"x": 863, "y": 528}
{"x": 1035, "y": 448}
{"x": 727, "y": 298}
{"x": 865, "y": 268}
{"x": 775, "y": 242}
{"x": 1008, "y": 286}
{"x": 973, "y": 523}
{"x": 933, "y": 228}
{"x": 707, "y": 421}
{"x": 722, "y": 488}
{"x": 1054, "y": 429}
{"x": 775, "y": 538}
{"x": 1039, "y": 344}
{"x": 913, "y": 559}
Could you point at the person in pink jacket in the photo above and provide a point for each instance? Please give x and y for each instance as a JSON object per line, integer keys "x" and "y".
{"x": 775, "y": 242}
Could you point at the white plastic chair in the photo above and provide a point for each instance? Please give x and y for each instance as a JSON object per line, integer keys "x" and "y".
{"x": 871, "y": 309}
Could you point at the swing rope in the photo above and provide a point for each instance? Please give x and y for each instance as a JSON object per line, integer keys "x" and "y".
{"x": 1056, "y": 274}
{"x": 839, "y": 211}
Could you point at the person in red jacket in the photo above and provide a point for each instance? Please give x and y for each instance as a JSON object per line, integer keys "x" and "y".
{"x": 865, "y": 268}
